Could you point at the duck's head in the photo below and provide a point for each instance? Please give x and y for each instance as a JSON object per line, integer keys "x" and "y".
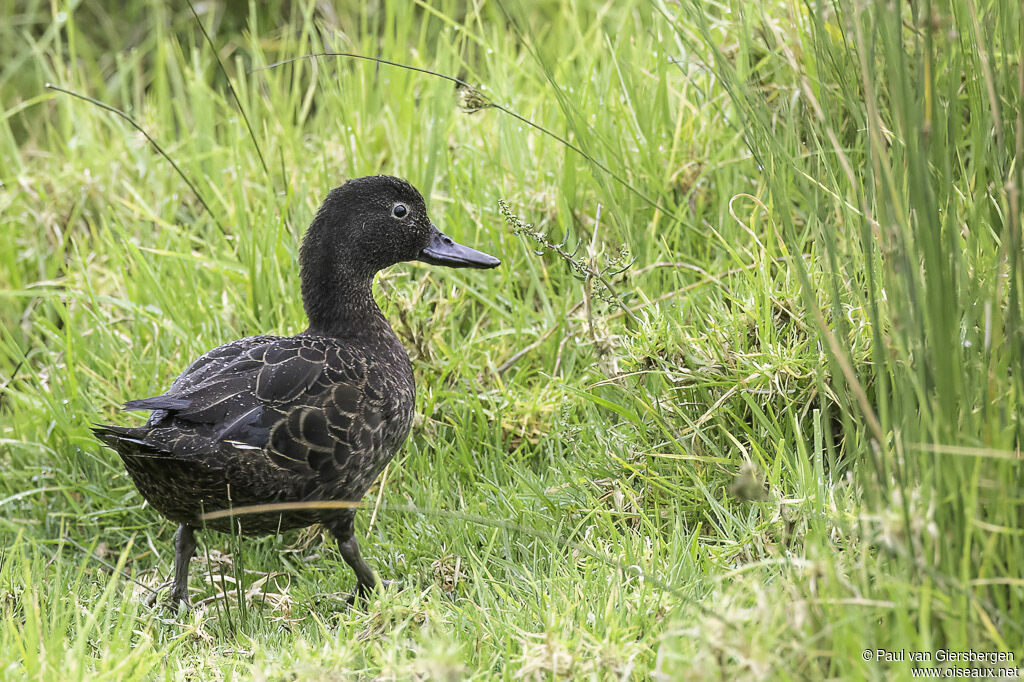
{"x": 370, "y": 223}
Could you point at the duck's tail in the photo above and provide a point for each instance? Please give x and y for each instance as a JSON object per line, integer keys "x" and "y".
{"x": 121, "y": 438}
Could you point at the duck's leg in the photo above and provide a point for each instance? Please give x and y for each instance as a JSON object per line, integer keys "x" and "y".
{"x": 344, "y": 532}
{"x": 184, "y": 548}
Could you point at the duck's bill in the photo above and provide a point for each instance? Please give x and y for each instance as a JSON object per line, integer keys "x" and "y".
{"x": 443, "y": 250}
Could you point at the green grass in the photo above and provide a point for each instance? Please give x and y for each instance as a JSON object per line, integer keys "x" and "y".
{"x": 789, "y": 432}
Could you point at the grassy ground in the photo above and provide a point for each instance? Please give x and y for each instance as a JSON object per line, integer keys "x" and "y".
{"x": 790, "y": 431}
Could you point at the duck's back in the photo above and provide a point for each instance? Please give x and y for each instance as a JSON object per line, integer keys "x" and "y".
{"x": 270, "y": 419}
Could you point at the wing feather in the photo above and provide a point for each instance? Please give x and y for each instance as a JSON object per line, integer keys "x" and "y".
{"x": 298, "y": 403}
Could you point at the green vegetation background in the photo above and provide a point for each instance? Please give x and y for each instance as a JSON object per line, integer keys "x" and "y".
{"x": 790, "y": 431}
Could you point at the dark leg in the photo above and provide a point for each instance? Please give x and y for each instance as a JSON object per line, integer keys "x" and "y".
{"x": 184, "y": 548}
{"x": 365, "y": 582}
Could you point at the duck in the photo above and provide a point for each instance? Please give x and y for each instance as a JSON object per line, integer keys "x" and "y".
{"x": 311, "y": 418}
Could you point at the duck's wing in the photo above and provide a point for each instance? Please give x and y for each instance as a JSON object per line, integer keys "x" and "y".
{"x": 223, "y": 387}
{"x": 300, "y": 404}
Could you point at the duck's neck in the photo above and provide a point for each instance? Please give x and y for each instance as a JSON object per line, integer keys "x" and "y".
{"x": 339, "y": 303}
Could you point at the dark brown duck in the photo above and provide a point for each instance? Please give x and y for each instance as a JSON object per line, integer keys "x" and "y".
{"x": 312, "y": 417}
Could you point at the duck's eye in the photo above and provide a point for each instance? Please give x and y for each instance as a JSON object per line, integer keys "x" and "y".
{"x": 399, "y": 211}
